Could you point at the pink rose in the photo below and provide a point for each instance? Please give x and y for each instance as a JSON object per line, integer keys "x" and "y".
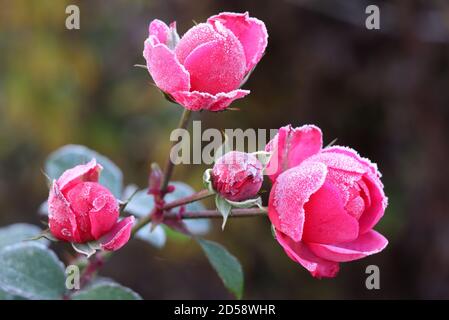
{"x": 82, "y": 210}
{"x": 206, "y": 68}
{"x": 237, "y": 176}
{"x": 324, "y": 203}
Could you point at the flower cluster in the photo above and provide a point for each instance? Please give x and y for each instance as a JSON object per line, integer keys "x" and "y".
{"x": 323, "y": 203}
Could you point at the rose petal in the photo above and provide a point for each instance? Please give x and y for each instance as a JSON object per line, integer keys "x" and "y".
{"x": 370, "y": 183}
{"x": 366, "y": 244}
{"x": 217, "y": 66}
{"x": 104, "y": 212}
{"x": 119, "y": 235}
{"x": 345, "y": 181}
{"x": 299, "y": 252}
{"x": 326, "y": 220}
{"x": 196, "y": 101}
{"x": 291, "y": 146}
{"x": 83, "y": 172}
{"x": 79, "y": 198}
{"x": 160, "y": 30}
{"x": 290, "y": 193}
{"x": 340, "y": 161}
{"x": 61, "y": 218}
{"x": 354, "y": 155}
{"x": 251, "y": 33}
{"x": 378, "y": 200}
{"x": 168, "y": 74}
{"x": 196, "y": 36}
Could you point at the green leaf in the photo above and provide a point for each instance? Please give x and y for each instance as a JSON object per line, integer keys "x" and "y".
{"x": 106, "y": 290}
{"x": 6, "y": 296}
{"x": 155, "y": 236}
{"x": 71, "y": 155}
{"x": 224, "y": 207}
{"x": 141, "y": 204}
{"x": 32, "y": 271}
{"x": 19, "y": 232}
{"x": 226, "y": 265}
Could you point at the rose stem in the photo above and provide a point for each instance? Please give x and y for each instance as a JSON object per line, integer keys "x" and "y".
{"x": 169, "y": 166}
{"x": 235, "y": 213}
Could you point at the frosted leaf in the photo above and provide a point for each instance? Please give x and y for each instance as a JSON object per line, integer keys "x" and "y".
{"x": 32, "y": 271}
{"x": 19, "y": 232}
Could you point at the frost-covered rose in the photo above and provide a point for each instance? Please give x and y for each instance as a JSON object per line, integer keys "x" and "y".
{"x": 237, "y": 176}
{"x": 82, "y": 210}
{"x": 324, "y": 203}
{"x": 207, "y": 66}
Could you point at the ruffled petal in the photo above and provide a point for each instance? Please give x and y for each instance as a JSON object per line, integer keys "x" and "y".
{"x": 369, "y": 166}
{"x": 367, "y": 244}
{"x": 290, "y": 193}
{"x": 160, "y": 30}
{"x": 61, "y": 218}
{"x": 340, "y": 161}
{"x": 216, "y": 66}
{"x": 299, "y": 252}
{"x": 196, "y": 101}
{"x": 83, "y": 172}
{"x": 370, "y": 182}
{"x": 168, "y": 74}
{"x": 378, "y": 204}
{"x": 251, "y": 33}
{"x": 291, "y": 146}
{"x": 119, "y": 235}
{"x": 326, "y": 220}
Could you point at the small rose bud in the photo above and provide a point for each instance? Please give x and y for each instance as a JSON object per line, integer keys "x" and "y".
{"x": 82, "y": 210}
{"x": 237, "y": 176}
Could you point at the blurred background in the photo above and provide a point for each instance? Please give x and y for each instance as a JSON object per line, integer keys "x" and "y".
{"x": 383, "y": 92}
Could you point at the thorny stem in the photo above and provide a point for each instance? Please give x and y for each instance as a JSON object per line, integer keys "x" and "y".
{"x": 177, "y": 203}
{"x": 98, "y": 259}
{"x": 235, "y": 213}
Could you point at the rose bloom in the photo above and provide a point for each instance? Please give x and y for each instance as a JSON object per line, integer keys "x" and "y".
{"x": 206, "y": 67}
{"x": 324, "y": 203}
{"x": 82, "y": 210}
{"x": 237, "y": 176}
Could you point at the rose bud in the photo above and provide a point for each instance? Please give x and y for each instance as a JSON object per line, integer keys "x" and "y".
{"x": 206, "y": 68}
{"x": 324, "y": 205}
{"x": 237, "y": 176}
{"x": 82, "y": 210}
